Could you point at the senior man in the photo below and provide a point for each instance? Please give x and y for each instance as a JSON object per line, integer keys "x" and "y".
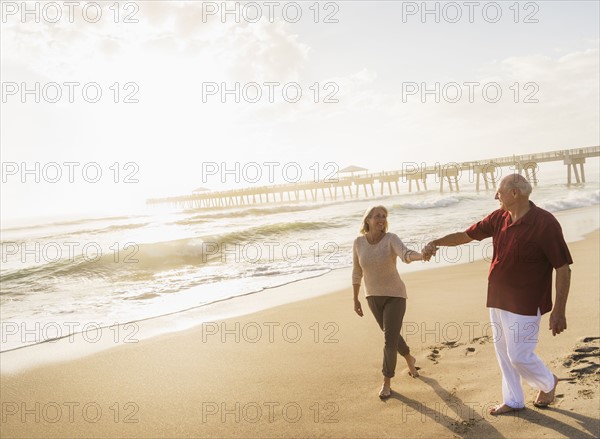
{"x": 528, "y": 244}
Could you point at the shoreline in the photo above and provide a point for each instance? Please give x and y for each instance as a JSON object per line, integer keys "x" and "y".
{"x": 576, "y": 223}
{"x": 312, "y": 369}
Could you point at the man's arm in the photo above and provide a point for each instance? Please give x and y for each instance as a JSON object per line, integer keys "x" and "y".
{"x": 451, "y": 240}
{"x": 558, "y": 319}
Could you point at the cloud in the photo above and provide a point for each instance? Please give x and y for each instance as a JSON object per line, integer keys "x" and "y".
{"x": 371, "y": 113}
{"x": 172, "y": 49}
{"x": 244, "y": 51}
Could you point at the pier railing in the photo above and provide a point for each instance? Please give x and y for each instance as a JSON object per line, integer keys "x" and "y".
{"x": 352, "y": 186}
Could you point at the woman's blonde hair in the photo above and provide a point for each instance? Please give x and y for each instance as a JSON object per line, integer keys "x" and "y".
{"x": 368, "y": 213}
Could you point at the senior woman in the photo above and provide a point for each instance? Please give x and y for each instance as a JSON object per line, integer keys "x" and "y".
{"x": 374, "y": 257}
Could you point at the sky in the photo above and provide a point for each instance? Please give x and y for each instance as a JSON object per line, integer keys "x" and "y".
{"x": 136, "y": 100}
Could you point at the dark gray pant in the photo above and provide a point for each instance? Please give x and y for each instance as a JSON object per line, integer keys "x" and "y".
{"x": 389, "y": 312}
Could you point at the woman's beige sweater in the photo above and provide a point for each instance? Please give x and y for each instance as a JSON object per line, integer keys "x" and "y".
{"x": 377, "y": 264}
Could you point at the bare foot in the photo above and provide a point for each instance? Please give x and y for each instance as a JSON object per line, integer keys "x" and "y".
{"x": 545, "y": 399}
{"x": 412, "y": 369}
{"x": 501, "y": 409}
{"x": 385, "y": 391}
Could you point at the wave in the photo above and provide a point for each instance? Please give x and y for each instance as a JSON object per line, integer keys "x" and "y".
{"x": 115, "y": 228}
{"x": 67, "y": 223}
{"x": 142, "y": 261}
{"x": 299, "y": 276}
{"x": 278, "y": 229}
{"x": 88, "y": 232}
{"x": 252, "y": 211}
{"x": 45, "y": 273}
{"x": 572, "y": 202}
{"x": 431, "y": 204}
{"x": 210, "y": 248}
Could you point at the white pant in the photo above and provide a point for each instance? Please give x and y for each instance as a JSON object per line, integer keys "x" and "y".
{"x": 515, "y": 338}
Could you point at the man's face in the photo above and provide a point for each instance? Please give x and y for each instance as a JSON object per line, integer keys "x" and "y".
{"x": 505, "y": 196}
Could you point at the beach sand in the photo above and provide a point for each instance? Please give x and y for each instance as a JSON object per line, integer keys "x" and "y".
{"x": 312, "y": 369}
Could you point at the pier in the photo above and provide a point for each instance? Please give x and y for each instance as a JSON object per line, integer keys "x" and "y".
{"x": 481, "y": 172}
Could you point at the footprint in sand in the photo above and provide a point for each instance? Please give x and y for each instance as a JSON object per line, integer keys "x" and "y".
{"x": 470, "y": 350}
{"x": 587, "y": 370}
{"x": 584, "y": 362}
{"x": 435, "y": 350}
{"x": 434, "y": 355}
{"x": 586, "y": 393}
{"x": 582, "y": 355}
{"x": 451, "y": 344}
{"x": 482, "y": 340}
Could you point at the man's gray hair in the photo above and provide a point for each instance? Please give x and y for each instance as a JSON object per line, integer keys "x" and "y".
{"x": 519, "y": 183}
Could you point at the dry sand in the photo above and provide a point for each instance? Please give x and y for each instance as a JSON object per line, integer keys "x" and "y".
{"x": 312, "y": 369}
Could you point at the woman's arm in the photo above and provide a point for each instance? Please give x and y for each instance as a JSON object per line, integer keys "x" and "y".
{"x": 357, "y": 306}
{"x": 357, "y": 274}
{"x": 407, "y": 255}
{"x": 414, "y": 256}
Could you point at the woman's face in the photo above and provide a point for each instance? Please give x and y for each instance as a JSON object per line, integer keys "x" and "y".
{"x": 377, "y": 221}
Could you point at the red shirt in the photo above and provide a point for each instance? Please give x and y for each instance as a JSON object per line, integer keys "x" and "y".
{"x": 525, "y": 252}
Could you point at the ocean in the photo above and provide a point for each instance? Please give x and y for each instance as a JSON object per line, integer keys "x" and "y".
{"x": 100, "y": 271}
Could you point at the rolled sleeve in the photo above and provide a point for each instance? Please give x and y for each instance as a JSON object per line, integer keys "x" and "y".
{"x": 400, "y": 249}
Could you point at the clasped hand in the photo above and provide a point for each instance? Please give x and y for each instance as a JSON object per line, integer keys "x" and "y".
{"x": 429, "y": 251}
